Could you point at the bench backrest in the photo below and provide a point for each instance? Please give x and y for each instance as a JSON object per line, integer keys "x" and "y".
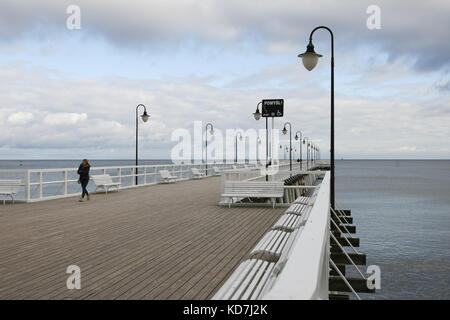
{"x": 10, "y": 186}
{"x": 254, "y": 188}
{"x": 165, "y": 174}
{"x": 101, "y": 179}
{"x": 195, "y": 171}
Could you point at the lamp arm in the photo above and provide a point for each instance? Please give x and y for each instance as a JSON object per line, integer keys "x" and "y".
{"x": 137, "y": 107}
{"x": 332, "y": 40}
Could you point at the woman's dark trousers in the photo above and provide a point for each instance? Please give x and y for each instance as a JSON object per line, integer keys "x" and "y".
{"x": 84, "y": 191}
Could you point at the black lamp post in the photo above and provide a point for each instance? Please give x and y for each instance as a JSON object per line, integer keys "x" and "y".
{"x": 313, "y": 150}
{"x": 258, "y": 142}
{"x": 306, "y": 141}
{"x": 240, "y": 138}
{"x": 310, "y": 59}
{"x": 206, "y": 142}
{"x": 144, "y": 118}
{"x": 316, "y": 153}
{"x": 310, "y": 154}
{"x": 257, "y": 116}
{"x": 299, "y": 138}
{"x": 290, "y": 142}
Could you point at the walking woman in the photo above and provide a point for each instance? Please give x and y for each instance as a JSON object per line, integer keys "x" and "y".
{"x": 83, "y": 171}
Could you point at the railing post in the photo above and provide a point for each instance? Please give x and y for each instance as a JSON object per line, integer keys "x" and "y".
{"x": 119, "y": 174}
{"x": 27, "y": 186}
{"x": 145, "y": 175}
{"x": 65, "y": 182}
{"x": 40, "y": 185}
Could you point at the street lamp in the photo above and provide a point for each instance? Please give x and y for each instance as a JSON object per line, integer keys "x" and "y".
{"x": 257, "y": 116}
{"x": 310, "y": 59}
{"x": 313, "y": 150}
{"x": 290, "y": 142}
{"x": 258, "y": 142}
{"x": 299, "y": 138}
{"x": 310, "y": 153}
{"x": 144, "y": 118}
{"x": 306, "y": 141}
{"x": 316, "y": 149}
{"x": 240, "y": 139}
{"x": 211, "y": 131}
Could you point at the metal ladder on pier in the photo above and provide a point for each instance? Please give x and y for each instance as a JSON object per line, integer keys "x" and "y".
{"x": 341, "y": 231}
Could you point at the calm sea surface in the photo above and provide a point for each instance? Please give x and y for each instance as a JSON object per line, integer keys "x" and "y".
{"x": 402, "y": 212}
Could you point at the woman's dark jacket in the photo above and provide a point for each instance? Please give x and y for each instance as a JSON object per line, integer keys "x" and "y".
{"x": 84, "y": 172}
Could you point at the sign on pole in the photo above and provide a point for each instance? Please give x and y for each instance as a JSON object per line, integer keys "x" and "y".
{"x": 272, "y": 107}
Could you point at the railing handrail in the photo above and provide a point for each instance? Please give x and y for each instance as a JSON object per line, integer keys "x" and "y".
{"x": 34, "y": 170}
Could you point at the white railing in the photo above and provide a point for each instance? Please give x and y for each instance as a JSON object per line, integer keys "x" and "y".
{"x": 304, "y": 271}
{"x": 46, "y": 184}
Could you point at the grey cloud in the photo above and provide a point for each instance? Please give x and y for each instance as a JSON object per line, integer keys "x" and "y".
{"x": 414, "y": 29}
{"x": 443, "y": 86}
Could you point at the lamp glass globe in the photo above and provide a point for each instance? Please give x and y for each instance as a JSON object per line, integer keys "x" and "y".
{"x": 145, "y": 117}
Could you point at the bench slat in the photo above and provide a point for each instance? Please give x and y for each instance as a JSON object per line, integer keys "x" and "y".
{"x": 246, "y": 281}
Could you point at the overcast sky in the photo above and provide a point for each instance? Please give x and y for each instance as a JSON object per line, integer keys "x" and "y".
{"x": 72, "y": 93}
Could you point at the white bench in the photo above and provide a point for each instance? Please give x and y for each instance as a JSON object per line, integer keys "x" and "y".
{"x": 289, "y": 222}
{"x": 296, "y": 208}
{"x": 167, "y": 176}
{"x": 247, "y": 281}
{"x": 217, "y": 171}
{"x": 250, "y": 278}
{"x": 302, "y": 199}
{"x": 272, "y": 244}
{"x": 9, "y": 188}
{"x": 197, "y": 174}
{"x": 105, "y": 182}
{"x": 253, "y": 189}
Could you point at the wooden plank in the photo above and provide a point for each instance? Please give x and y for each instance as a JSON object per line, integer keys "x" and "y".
{"x": 341, "y": 258}
{"x": 334, "y": 272}
{"x": 344, "y": 219}
{"x": 154, "y": 242}
{"x": 343, "y": 242}
{"x": 344, "y": 212}
{"x": 348, "y": 227}
{"x": 336, "y": 283}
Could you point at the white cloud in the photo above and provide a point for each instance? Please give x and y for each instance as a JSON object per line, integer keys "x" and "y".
{"x": 64, "y": 118}
{"x": 20, "y": 118}
{"x": 104, "y": 119}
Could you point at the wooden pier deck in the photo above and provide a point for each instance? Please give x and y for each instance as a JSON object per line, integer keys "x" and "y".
{"x": 167, "y": 241}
